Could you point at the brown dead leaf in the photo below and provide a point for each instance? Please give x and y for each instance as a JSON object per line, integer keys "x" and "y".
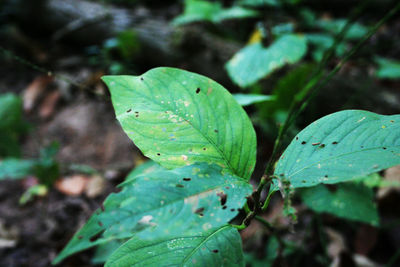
{"x": 337, "y": 243}
{"x": 392, "y": 176}
{"x": 72, "y": 185}
{"x": 95, "y": 186}
{"x": 34, "y": 90}
{"x": 48, "y": 105}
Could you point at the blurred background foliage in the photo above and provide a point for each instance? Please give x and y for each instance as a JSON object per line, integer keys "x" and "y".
{"x": 62, "y": 152}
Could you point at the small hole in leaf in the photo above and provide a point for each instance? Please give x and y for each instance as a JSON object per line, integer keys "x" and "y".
{"x": 334, "y": 143}
{"x": 384, "y": 148}
{"x": 215, "y": 130}
{"x": 199, "y": 210}
{"x": 232, "y": 210}
{"x": 304, "y": 142}
{"x": 326, "y": 175}
{"x": 158, "y": 154}
{"x": 96, "y": 236}
{"x": 187, "y": 179}
{"x": 180, "y": 185}
{"x": 297, "y": 138}
{"x": 129, "y": 110}
{"x": 215, "y": 251}
{"x": 222, "y": 197}
{"x": 141, "y": 78}
{"x": 281, "y": 174}
{"x": 197, "y": 90}
{"x": 204, "y": 148}
{"x": 224, "y": 207}
{"x": 322, "y": 146}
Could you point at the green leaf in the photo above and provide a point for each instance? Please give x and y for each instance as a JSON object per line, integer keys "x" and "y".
{"x": 216, "y": 247}
{"x": 248, "y": 99}
{"x": 15, "y": 168}
{"x": 340, "y": 147}
{"x": 10, "y": 110}
{"x": 254, "y": 61}
{"x": 259, "y": 3}
{"x": 356, "y": 30}
{"x": 104, "y": 251}
{"x": 177, "y": 118}
{"x": 193, "y": 199}
{"x": 199, "y": 10}
{"x": 147, "y": 167}
{"x": 349, "y": 201}
{"x": 387, "y": 68}
{"x": 322, "y": 43}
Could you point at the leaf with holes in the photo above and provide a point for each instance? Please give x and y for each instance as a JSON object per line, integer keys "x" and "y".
{"x": 178, "y": 118}
{"x": 254, "y": 61}
{"x": 215, "y": 247}
{"x": 350, "y": 201}
{"x": 340, "y": 147}
{"x": 193, "y": 199}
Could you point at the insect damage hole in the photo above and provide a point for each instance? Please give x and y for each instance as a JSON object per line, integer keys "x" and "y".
{"x": 186, "y": 179}
{"x": 222, "y": 198}
{"x": 198, "y": 90}
{"x": 215, "y": 250}
{"x": 199, "y": 211}
{"x": 96, "y": 236}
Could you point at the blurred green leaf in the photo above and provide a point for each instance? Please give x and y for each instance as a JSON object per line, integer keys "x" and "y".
{"x": 105, "y": 250}
{"x": 248, "y": 99}
{"x": 335, "y": 26}
{"x": 36, "y": 190}
{"x": 387, "y": 68}
{"x": 254, "y": 61}
{"x": 200, "y": 10}
{"x": 260, "y": 3}
{"x": 348, "y": 200}
{"x": 215, "y": 247}
{"x": 321, "y": 43}
{"x": 16, "y": 168}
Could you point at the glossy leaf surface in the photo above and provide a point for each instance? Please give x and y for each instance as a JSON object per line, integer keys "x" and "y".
{"x": 248, "y": 99}
{"x": 178, "y": 118}
{"x": 340, "y": 147}
{"x": 193, "y": 199}
{"x": 216, "y": 247}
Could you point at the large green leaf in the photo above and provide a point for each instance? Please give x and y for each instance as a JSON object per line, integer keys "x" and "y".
{"x": 387, "y": 68}
{"x": 199, "y": 10}
{"x": 340, "y": 147}
{"x": 193, "y": 199}
{"x": 216, "y": 247}
{"x": 10, "y": 110}
{"x": 254, "y": 61}
{"x": 178, "y": 118}
{"x": 350, "y": 201}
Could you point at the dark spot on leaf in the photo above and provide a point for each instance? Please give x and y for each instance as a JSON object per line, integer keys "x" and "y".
{"x": 362, "y": 146}
{"x": 227, "y": 187}
{"x": 392, "y": 121}
{"x": 102, "y": 207}
{"x": 197, "y": 90}
{"x": 316, "y": 144}
{"x": 222, "y": 197}
{"x": 96, "y": 236}
{"x": 100, "y": 223}
{"x": 158, "y": 154}
{"x": 224, "y": 207}
{"x": 180, "y": 185}
{"x": 384, "y": 148}
{"x": 326, "y": 175}
{"x": 80, "y": 237}
{"x": 199, "y": 210}
{"x": 215, "y": 130}
{"x": 297, "y": 138}
{"x": 282, "y": 174}
{"x": 334, "y": 143}
{"x": 232, "y": 210}
{"x": 187, "y": 179}
{"x": 215, "y": 251}
{"x": 141, "y": 78}
{"x": 303, "y": 181}
{"x": 322, "y": 146}
{"x": 129, "y": 110}
{"x": 304, "y": 142}
{"x": 204, "y": 148}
